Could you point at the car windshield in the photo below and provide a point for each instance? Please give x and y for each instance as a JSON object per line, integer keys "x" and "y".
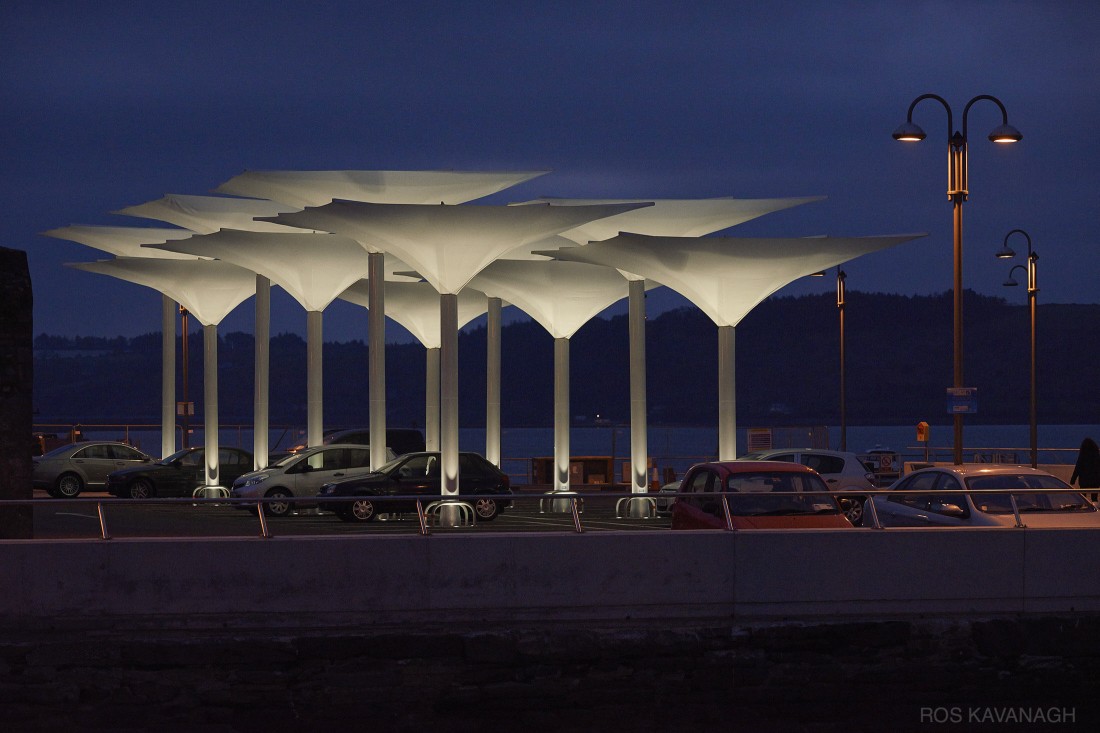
{"x": 175, "y": 456}
{"x": 1055, "y": 501}
{"x": 757, "y": 494}
{"x": 286, "y": 460}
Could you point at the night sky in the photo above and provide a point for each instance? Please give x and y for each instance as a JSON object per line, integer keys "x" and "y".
{"x": 111, "y": 104}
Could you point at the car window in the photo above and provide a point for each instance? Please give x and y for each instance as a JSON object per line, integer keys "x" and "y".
{"x": 916, "y": 482}
{"x": 473, "y": 466}
{"x": 1002, "y": 503}
{"x": 356, "y": 457}
{"x": 823, "y": 463}
{"x": 228, "y": 457}
{"x": 420, "y": 467}
{"x": 191, "y": 458}
{"x": 776, "y": 493}
{"x": 126, "y": 453}
{"x": 94, "y": 451}
{"x": 701, "y": 481}
{"x": 785, "y": 457}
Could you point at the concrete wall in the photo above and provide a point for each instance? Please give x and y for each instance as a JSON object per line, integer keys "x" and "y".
{"x": 818, "y": 574}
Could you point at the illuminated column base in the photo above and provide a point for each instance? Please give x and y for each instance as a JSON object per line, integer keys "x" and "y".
{"x": 168, "y": 377}
{"x": 262, "y": 393}
{"x": 314, "y": 379}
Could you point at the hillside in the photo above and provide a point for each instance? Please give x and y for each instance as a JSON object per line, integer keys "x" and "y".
{"x": 898, "y": 366}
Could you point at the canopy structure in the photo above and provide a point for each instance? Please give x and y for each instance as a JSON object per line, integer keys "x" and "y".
{"x": 314, "y": 268}
{"x": 208, "y": 214}
{"x": 726, "y": 277}
{"x": 209, "y": 289}
{"x": 317, "y": 188}
{"x": 415, "y": 305}
{"x": 448, "y": 246}
{"x": 562, "y": 297}
{"x": 127, "y": 242}
{"x": 671, "y": 218}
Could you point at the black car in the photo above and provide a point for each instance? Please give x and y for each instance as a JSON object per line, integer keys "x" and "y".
{"x": 417, "y": 474}
{"x": 178, "y": 475}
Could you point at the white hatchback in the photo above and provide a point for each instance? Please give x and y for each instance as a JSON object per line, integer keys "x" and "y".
{"x": 842, "y": 471}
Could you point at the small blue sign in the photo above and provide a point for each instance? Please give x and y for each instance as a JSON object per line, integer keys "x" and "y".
{"x": 962, "y": 400}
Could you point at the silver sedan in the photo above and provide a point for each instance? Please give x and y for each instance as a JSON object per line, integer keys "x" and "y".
{"x": 66, "y": 471}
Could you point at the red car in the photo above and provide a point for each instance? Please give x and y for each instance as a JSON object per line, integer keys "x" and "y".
{"x": 760, "y": 494}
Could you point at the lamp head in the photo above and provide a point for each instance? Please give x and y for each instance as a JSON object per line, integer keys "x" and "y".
{"x": 909, "y": 132}
{"x": 1006, "y": 133}
{"x": 1010, "y": 282}
{"x": 1006, "y": 253}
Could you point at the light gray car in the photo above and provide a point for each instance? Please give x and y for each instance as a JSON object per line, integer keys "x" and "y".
{"x": 66, "y": 471}
{"x": 841, "y": 470}
{"x": 302, "y": 475}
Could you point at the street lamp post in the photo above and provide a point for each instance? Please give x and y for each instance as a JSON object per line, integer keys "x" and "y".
{"x": 957, "y": 193}
{"x": 841, "y": 276}
{"x": 186, "y": 358}
{"x": 1032, "y": 289}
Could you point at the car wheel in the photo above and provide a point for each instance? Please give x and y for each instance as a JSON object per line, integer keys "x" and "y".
{"x": 141, "y": 488}
{"x": 853, "y": 509}
{"x": 68, "y": 485}
{"x": 486, "y": 509}
{"x": 278, "y": 508}
{"x": 361, "y": 510}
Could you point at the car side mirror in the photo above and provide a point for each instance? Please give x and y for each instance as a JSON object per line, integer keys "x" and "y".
{"x": 950, "y": 510}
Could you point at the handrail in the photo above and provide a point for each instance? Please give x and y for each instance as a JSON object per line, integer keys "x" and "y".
{"x": 576, "y": 500}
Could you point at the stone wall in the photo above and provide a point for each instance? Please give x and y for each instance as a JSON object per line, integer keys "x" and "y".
{"x": 650, "y": 676}
{"x": 16, "y": 366}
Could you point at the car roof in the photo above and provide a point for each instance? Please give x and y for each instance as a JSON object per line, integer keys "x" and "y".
{"x": 753, "y": 466}
{"x": 984, "y": 469}
{"x": 816, "y": 451}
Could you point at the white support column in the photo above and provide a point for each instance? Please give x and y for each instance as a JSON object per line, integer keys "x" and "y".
{"x": 376, "y": 376}
{"x": 210, "y": 401}
{"x": 167, "y": 376}
{"x": 639, "y": 442}
{"x": 492, "y": 383}
{"x": 448, "y": 387}
{"x": 431, "y": 399}
{"x": 561, "y": 414}
{"x": 727, "y": 395}
{"x": 262, "y": 393}
{"x": 314, "y": 379}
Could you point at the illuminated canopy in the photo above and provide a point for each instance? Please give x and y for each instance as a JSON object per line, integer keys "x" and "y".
{"x": 447, "y": 245}
{"x": 672, "y": 217}
{"x": 207, "y": 214}
{"x": 415, "y": 305}
{"x": 123, "y": 241}
{"x": 315, "y": 188}
{"x": 725, "y": 276}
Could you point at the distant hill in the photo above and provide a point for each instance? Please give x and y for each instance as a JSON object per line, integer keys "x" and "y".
{"x": 898, "y": 366}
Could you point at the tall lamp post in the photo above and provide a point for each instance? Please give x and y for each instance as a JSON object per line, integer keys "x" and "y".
{"x": 956, "y": 193}
{"x": 1032, "y": 289}
{"x": 841, "y": 276}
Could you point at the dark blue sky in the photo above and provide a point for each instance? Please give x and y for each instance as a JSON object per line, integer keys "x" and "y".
{"x": 110, "y": 104}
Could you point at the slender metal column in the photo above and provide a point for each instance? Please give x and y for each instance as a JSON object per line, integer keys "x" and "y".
{"x": 210, "y": 401}
{"x": 727, "y": 400}
{"x": 448, "y": 400}
{"x": 431, "y": 399}
{"x": 314, "y": 379}
{"x": 639, "y": 444}
{"x": 841, "y": 302}
{"x": 167, "y": 376}
{"x": 376, "y": 377}
{"x": 262, "y": 391}
{"x": 492, "y": 383}
{"x": 958, "y": 319}
{"x": 561, "y": 414}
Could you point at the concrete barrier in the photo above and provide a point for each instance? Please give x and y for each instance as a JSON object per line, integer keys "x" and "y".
{"x": 749, "y": 575}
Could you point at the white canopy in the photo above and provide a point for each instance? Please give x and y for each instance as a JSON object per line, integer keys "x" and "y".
{"x": 725, "y": 276}
{"x": 207, "y": 214}
{"x": 209, "y": 289}
{"x": 123, "y": 241}
{"x": 672, "y": 217}
{"x": 315, "y": 188}
{"x": 415, "y": 305}
{"x": 313, "y": 268}
{"x": 447, "y": 245}
{"x": 561, "y": 296}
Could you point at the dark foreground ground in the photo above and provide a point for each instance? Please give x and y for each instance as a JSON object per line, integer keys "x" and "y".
{"x": 901, "y": 675}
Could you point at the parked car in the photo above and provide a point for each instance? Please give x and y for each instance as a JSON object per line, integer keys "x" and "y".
{"x": 663, "y": 504}
{"x": 70, "y": 469}
{"x": 934, "y": 497}
{"x": 399, "y": 440}
{"x": 751, "y": 487}
{"x": 177, "y": 475}
{"x": 417, "y": 474}
{"x": 841, "y": 471}
{"x": 301, "y": 475}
